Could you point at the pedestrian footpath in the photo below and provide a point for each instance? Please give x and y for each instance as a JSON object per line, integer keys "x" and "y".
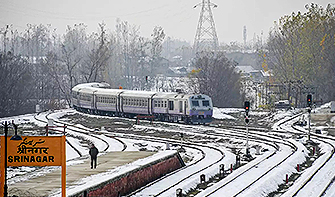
{"x": 51, "y": 182}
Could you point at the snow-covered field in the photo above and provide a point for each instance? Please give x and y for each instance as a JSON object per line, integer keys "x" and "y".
{"x": 268, "y": 182}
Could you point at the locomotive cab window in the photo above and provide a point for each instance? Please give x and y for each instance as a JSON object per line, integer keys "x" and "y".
{"x": 195, "y": 103}
{"x": 205, "y": 103}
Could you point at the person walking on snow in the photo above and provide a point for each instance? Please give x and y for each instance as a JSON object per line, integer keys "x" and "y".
{"x": 94, "y": 153}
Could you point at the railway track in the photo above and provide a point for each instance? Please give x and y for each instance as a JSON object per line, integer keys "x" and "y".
{"x": 270, "y": 141}
{"x": 225, "y": 185}
{"x": 87, "y": 133}
{"x": 310, "y": 179}
{"x": 204, "y": 164}
{"x": 255, "y": 135}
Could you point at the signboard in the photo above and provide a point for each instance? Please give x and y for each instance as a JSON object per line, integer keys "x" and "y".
{"x": 34, "y": 151}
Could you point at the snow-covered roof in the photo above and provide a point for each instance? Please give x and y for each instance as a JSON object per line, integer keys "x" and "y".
{"x": 246, "y": 69}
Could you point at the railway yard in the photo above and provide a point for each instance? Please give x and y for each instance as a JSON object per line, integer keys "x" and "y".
{"x": 282, "y": 162}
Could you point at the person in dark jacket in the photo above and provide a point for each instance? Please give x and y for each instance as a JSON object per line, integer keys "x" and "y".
{"x": 94, "y": 153}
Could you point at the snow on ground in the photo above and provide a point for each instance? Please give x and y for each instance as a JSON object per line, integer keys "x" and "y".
{"x": 221, "y": 114}
{"x": 270, "y": 182}
{"x": 212, "y": 156}
{"x": 132, "y": 145}
{"x": 324, "y": 175}
{"x": 97, "y": 179}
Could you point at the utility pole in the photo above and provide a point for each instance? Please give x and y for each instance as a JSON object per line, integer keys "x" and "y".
{"x": 205, "y": 37}
{"x": 309, "y": 105}
{"x": 247, "y": 108}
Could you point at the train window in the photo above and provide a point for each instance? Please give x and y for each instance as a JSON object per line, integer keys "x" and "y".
{"x": 155, "y": 102}
{"x": 205, "y": 103}
{"x": 195, "y": 103}
{"x": 165, "y": 104}
{"x": 180, "y": 106}
{"x": 171, "y": 105}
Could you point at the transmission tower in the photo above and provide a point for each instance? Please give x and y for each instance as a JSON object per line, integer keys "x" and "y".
{"x": 205, "y": 37}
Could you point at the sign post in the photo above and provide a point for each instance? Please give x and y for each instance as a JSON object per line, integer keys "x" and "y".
{"x": 34, "y": 151}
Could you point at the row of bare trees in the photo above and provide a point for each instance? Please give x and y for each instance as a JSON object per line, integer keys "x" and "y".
{"x": 46, "y": 65}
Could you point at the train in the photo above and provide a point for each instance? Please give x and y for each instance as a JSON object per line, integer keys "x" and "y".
{"x": 282, "y": 104}
{"x": 99, "y": 98}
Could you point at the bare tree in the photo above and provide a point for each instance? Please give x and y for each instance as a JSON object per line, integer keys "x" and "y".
{"x": 215, "y": 76}
{"x": 16, "y": 83}
{"x": 96, "y": 63}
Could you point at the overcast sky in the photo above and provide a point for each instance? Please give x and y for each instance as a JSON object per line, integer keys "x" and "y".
{"x": 177, "y": 17}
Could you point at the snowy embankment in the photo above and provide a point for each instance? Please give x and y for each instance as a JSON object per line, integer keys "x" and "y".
{"x": 272, "y": 180}
{"x": 94, "y": 180}
{"x": 317, "y": 184}
{"x": 223, "y": 113}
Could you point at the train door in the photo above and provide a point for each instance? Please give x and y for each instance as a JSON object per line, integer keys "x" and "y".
{"x": 118, "y": 103}
{"x": 181, "y": 107}
{"x": 78, "y": 99}
{"x": 149, "y": 106}
{"x": 171, "y": 106}
{"x": 121, "y": 104}
{"x": 94, "y": 101}
{"x": 185, "y": 107}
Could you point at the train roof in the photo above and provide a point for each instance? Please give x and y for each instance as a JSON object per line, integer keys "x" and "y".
{"x": 104, "y": 88}
{"x": 136, "y": 93}
{"x": 170, "y": 95}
